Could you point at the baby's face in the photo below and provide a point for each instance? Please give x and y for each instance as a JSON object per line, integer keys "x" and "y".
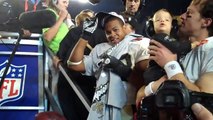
{"x": 162, "y": 22}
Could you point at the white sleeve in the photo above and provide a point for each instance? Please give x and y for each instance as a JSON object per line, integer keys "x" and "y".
{"x": 142, "y": 53}
{"x": 69, "y": 23}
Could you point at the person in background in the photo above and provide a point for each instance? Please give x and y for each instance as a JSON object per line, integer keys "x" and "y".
{"x": 80, "y": 18}
{"x": 131, "y": 7}
{"x": 197, "y": 65}
{"x": 10, "y": 10}
{"x": 132, "y": 11}
{"x": 55, "y": 34}
{"x": 71, "y": 105}
{"x": 88, "y": 12}
{"x": 73, "y": 35}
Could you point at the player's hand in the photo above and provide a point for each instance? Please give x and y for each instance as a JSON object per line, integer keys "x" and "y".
{"x": 89, "y": 26}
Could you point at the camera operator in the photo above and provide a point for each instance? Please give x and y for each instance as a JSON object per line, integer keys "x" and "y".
{"x": 201, "y": 112}
{"x": 198, "y": 63}
{"x": 133, "y": 10}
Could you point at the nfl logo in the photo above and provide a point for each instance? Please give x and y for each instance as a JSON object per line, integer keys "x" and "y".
{"x": 12, "y": 88}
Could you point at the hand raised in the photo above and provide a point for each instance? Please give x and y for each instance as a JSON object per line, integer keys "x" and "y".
{"x": 89, "y": 26}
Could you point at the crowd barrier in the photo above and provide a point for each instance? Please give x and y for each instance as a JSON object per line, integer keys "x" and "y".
{"x": 26, "y": 89}
{"x": 22, "y": 93}
{"x": 72, "y": 83}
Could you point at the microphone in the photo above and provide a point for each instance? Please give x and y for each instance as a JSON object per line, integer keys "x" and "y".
{"x": 37, "y": 19}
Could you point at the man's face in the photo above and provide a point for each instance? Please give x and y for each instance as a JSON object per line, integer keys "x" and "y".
{"x": 162, "y": 22}
{"x": 63, "y": 4}
{"x": 115, "y": 31}
{"x": 191, "y": 21}
{"x": 132, "y": 6}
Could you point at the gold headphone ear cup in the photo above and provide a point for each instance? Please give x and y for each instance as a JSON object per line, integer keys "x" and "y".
{"x": 149, "y": 28}
{"x": 175, "y": 27}
{"x": 174, "y": 23}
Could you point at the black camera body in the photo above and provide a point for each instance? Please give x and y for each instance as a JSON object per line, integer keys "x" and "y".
{"x": 172, "y": 101}
{"x": 154, "y": 71}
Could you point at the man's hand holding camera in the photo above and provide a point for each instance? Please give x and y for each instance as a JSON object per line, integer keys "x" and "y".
{"x": 174, "y": 100}
{"x": 201, "y": 113}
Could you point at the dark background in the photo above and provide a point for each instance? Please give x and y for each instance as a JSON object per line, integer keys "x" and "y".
{"x": 11, "y": 9}
{"x": 176, "y": 7}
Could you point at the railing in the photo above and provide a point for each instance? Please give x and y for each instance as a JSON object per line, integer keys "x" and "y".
{"x": 72, "y": 83}
{"x": 22, "y": 92}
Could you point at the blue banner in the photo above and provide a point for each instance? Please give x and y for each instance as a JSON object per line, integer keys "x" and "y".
{"x": 19, "y": 94}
